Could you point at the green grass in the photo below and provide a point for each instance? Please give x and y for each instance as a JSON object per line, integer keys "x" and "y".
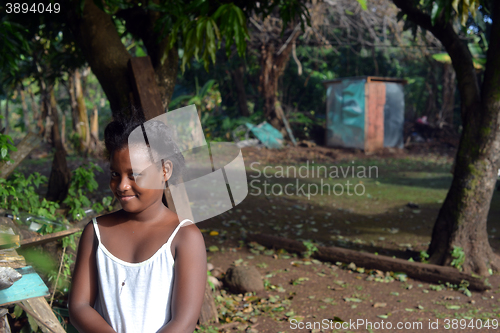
{"x": 399, "y": 181}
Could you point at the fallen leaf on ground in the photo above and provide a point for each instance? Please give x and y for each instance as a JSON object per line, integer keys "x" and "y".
{"x": 379, "y": 305}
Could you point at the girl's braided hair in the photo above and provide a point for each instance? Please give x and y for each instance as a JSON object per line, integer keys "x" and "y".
{"x": 117, "y": 132}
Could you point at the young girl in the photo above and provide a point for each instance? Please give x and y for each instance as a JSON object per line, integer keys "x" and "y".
{"x": 140, "y": 269}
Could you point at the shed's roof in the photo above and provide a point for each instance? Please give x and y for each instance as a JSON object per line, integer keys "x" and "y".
{"x": 367, "y": 78}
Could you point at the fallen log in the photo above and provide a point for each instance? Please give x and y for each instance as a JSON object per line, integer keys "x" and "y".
{"x": 414, "y": 270}
{"x": 30, "y": 142}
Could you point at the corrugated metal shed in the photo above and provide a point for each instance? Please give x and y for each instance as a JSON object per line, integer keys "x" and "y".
{"x": 365, "y": 112}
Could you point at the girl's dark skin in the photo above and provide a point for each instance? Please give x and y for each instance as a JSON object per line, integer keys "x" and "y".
{"x": 134, "y": 234}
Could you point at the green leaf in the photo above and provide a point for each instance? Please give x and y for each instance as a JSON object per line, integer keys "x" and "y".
{"x": 139, "y": 52}
{"x": 32, "y": 322}
{"x": 363, "y": 4}
{"x": 18, "y": 311}
{"x": 352, "y": 299}
{"x": 442, "y": 57}
{"x": 213, "y": 248}
{"x": 436, "y": 10}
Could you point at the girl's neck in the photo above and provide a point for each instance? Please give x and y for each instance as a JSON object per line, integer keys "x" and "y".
{"x": 152, "y": 213}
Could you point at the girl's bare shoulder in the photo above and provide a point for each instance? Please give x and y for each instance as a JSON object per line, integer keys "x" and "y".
{"x": 108, "y": 220}
{"x": 189, "y": 233}
{"x": 188, "y": 246}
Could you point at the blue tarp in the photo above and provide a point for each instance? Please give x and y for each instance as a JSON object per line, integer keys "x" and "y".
{"x": 267, "y": 134}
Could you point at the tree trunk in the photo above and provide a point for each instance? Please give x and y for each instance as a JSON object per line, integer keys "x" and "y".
{"x": 449, "y": 87}
{"x": 83, "y": 129}
{"x": 430, "y": 104}
{"x": 273, "y": 63}
{"x": 34, "y": 107}
{"x": 431, "y": 86}
{"x": 6, "y": 116}
{"x": 72, "y": 99}
{"x": 271, "y": 69}
{"x": 239, "y": 84}
{"x": 166, "y": 75}
{"x": 24, "y": 106}
{"x": 375, "y": 62}
{"x": 94, "y": 130}
{"x": 45, "y": 121}
{"x": 63, "y": 131}
{"x": 60, "y": 175}
{"x": 101, "y": 45}
{"x": 462, "y": 219}
{"x": 165, "y": 64}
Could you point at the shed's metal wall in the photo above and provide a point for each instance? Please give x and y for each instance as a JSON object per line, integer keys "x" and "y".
{"x": 394, "y": 115}
{"x": 346, "y": 114}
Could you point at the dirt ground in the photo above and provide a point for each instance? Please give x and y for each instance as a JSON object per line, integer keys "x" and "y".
{"x": 312, "y": 291}
{"x": 394, "y": 217}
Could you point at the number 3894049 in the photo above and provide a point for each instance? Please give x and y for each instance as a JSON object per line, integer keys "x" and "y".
{"x": 37, "y": 7}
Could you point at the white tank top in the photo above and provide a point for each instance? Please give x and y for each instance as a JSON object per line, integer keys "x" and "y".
{"x": 135, "y": 297}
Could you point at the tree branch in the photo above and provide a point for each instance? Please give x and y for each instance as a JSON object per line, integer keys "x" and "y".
{"x": 459, "y": 53}
{"x": 491, "y": 82}
{"x": 290, "y": 39}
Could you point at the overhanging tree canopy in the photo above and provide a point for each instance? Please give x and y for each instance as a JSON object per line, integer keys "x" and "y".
{"x": 163, "y": 28}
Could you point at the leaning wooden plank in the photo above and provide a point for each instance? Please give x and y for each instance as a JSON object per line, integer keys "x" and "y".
{"x": 414, "y": 270}
{"x": 30, "y": 142}
{"x": 4, "y": 322}
{"x": 10, "y": 258}
{"x": 48, "y": 238}
{"x": 39, "y": 309}
{"x": 29, "y": 286}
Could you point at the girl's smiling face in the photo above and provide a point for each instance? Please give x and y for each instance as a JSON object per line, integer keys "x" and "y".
{"x": 125, "y": 181}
